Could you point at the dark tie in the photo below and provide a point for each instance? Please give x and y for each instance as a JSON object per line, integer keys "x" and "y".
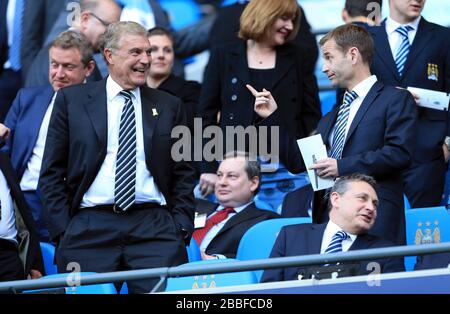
{"x": 14, "y": 51}
{"x": 220, "y": 216}
{"x": 403, "y": 51}
{"x": 336, "y": 242}
{"x": 125, "y": 182}
{"x": 341, "y": 125}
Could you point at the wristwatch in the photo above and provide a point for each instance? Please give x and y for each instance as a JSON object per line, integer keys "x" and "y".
{"x": 447, "y": 142}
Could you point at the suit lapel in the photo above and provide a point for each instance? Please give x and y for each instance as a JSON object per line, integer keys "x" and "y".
{"x": 384, "y": 49}
{"x": 248, "y": 213}
{"x": 151, "y": 111}
{"x": 42, "y": 102}
{"x": 423, "y": 37}
{"x": 239, "y": 64}
{"x": 285, "y": 61}
{"x": 361, "y": 242}
{"x": 96, "y": 107}
{"x": 314, "y": 240}
{"x": 368, "y": 100}
{"x": 326, "y": 127}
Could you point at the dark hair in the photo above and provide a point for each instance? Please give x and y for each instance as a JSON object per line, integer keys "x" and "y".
{"x": 348, "y": 36}
{"x": 360, "y": 7}
{"x": 75, "y": 39}
{"x": 341, "y": 184}
{"x": 161, "y": 32}
{"x": 252, "y": 165}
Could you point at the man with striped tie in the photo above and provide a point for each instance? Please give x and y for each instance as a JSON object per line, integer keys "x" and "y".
{"x": 412, "y": 52}
{"x": 353, "y": 207}
{"x": 371, "y": 132}
{"x": 116, "y": 198}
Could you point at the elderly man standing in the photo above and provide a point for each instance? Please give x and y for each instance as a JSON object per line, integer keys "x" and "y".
{"x": 115, "y": 197}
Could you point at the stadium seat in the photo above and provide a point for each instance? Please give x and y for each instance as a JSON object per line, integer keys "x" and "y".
{"x": 406, "y": 201}
{"x": 212, "y": 280}
{"x": 104, "y": 288}
{"x": 258, "y": 241}
{"x": 182, "y": 13}
{"x": 228, "y": 2}
{"x": 48, "y": 254}
{"x": 193, "y": 251}
{"x": 425, "y": 226}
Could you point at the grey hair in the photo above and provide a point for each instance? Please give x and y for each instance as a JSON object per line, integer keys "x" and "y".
{"x": 252, "y": 165}
{"x": 341, "y": 184}
{"x": 115, "y": 31}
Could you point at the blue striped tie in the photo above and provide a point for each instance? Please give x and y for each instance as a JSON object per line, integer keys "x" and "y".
{"x": 341, "y": 125}
{"x": 403, "y": 50}
{"x": 125, "y": 183}
{"x": 336, "y": 242}
{"x": 14, "y": 51}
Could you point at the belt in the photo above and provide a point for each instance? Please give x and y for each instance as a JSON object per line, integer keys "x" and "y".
{"x": 114, "y": 208}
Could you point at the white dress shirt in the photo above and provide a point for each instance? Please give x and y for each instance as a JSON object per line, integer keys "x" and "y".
{"x": 328, "y": 234}
{"x": 8, "y": 229}
{"x": 216, "y": 229}
{"x": 395, "y": 39}
{"x": 101, "y": 191}
{"x": 362, "y": 89}
{"x": 30, "y": 178}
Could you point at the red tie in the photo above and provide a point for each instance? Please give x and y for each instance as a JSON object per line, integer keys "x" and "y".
{"x": 200, "y": 234}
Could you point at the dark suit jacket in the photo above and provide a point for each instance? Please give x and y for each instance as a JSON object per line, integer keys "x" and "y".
{"x": 306, "y": 239}
{"x": 226, "y": 242}
{"x": 224, "y": 90}
{"x": 24, "y": 119}
{"x": 226, "y": 28}
{"x": 379, "y": 143}
{"x": 297, "y": 202}
{"x": 431, "y": 45}
{"x": 26, "y": 229}
{"x": 3, "y": 34}
{"x": 187, "y": 91}
{"x": 430, "y": 261}
{"x": 76, "y": 148}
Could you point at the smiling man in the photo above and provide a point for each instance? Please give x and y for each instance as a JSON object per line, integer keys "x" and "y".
{"x": 353, "y": 207}
{"x": 116, "y": 199}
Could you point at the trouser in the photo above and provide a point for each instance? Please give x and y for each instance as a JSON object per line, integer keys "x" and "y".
{"x": 10, "y": 265}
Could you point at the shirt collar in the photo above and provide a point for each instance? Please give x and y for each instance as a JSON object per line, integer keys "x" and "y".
{"x": 392, "y": 25}
{"x": 363, "y": 87}
{"x": 236, "y": 209}
{"x": 333, "y": 228}
{"x": 113, "y": 89}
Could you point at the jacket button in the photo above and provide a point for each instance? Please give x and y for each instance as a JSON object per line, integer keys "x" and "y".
{"x": 234, "y": 97}
{"x": 233, "y": 80}
{"x": 231, "y": 116}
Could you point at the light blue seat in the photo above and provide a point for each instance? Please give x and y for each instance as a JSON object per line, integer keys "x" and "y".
{"x": 104, "y": 288}
{"x": 258, "y": 241}
{"x": 406, "y": 202}
{"x": 48, "y": 254}
{"x": 228, "y": 2}
{"x": 425, "y": 226}
{"x": 182, "y": 13}
{"x": 193, "y": 251}
{"x": 211, "y": 280}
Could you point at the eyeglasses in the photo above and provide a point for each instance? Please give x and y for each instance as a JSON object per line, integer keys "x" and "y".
{"x": 105, "y": 24}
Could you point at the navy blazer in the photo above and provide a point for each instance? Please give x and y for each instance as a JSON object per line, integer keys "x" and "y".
{"x": 430, "y": 46}
{"x": 226, "y": 242}
{"x": 306, "y": 239}
{"x": 76, "y": 148}
{"x": 24, "y": 118}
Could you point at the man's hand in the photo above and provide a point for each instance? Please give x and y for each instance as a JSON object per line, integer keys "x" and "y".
{"x": 4, "y": 131}
{"x": 265, "y": 104}
{"x": 206, "y": 256}
{"x": 35, "y": 274}
{"x": 446, "y": 152}
{"x": 207, "y": 183}
{"x": 326, "y": 168}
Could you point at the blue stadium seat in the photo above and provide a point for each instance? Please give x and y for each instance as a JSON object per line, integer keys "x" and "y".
{"x": 228, "y": 2}
{"x": 48, "y": 254}
{"x": 425, "y": 226}
{"x": 258, "y": 241}
{"x": 327, "y": 100}
{"x": 406, "y": 202}
{"x": 212, "y": 280}
{"x": 193, "y": 251}
{"x": 104, "y": 288}
{"x": 182, "y": 13}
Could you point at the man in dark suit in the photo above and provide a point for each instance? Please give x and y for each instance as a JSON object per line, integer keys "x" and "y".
{"x": 298, "y": 203}
{"x": 353, "y": 209}
{"x": 371, "y": 132}
{"x": 70, "y": 64}
{"x": 20, "y": 254}
{"x": 94, "y": 17}
{"x": 424, "y": 62}
{"x": 238, "y": 182}
{"x": 116, "y": 198}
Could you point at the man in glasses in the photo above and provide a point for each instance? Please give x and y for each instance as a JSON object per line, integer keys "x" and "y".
{"x": 95, "y": 16}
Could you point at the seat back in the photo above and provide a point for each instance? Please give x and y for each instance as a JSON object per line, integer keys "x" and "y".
{"x": 425, "y": 226}
{"x": 211, "y": 280}
{"x": 182, "y": 13}
{"x": 193, "y": 251}
{"x": 48, "y": 254}
{"x": 258, "y": 241}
